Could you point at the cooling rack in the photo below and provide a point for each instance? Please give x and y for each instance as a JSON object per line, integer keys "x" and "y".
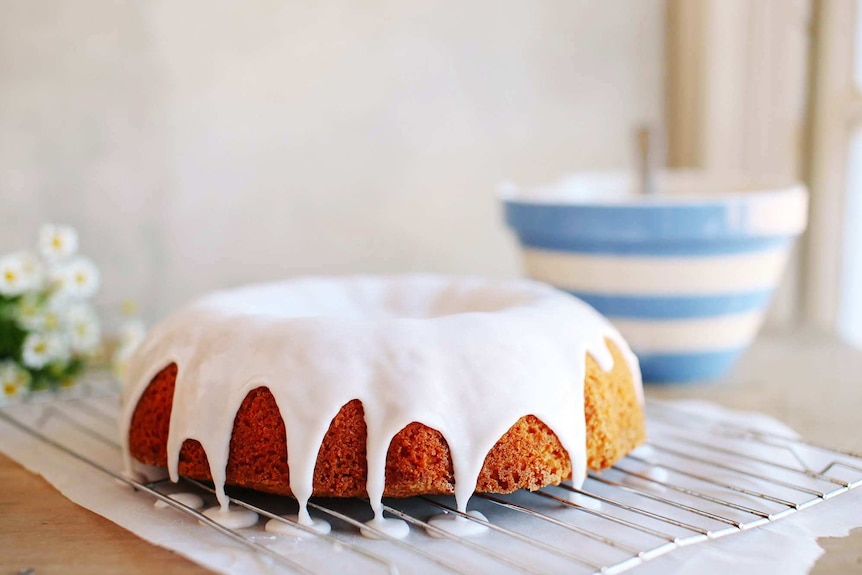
{"x": 696, "y": 479}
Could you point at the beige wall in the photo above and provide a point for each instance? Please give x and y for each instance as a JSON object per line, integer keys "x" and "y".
{"x": 197, "y": 146}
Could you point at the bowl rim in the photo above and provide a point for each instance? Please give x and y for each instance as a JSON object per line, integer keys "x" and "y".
{"x": 766, "y": 209}
{"x": 737, "y": 186}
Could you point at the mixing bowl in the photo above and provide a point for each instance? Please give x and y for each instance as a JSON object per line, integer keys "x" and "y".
{"x": 686, "y": 274}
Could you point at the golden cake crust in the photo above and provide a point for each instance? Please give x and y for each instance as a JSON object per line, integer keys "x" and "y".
{"x": 528, "y": 456}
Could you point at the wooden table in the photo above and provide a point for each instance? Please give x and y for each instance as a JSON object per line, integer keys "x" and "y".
{"x": 808, "y": 380}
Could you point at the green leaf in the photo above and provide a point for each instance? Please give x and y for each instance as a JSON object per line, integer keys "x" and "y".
{"x": 11, "y": 338}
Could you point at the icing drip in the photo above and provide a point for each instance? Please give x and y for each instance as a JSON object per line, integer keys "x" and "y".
{"x": 282, "y": 528}
{"x": 134, "y": 476}
{"x": 584, "y": 501}
{"x": 392, "y": 527}
{"x": 467, "y": 357}
{"x": 233, "y": 517}
{"x": 456, "y": 525}
{"x": 188, "y": 499}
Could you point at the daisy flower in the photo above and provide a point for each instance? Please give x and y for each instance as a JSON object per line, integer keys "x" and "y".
{"x": 13, "y": 275}
{"x": 32, "y": 270}
{"x": 132, "y": 333}
{"x": 13, "y": 379}
{"x": 57, "y": 242}
{"x": 43, "y": 299}
{"x": 77, "y": 278}
{"x": 40, "y": 349}
{"x": 82, "y": 326}
{"x": 35, "y": 312}
{"x": 30, "y": 312}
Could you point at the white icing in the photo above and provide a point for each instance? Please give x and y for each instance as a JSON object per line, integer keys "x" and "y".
{"x": 142, "y": 473}
{"x": 133, "y": 476}
{"x": 233, "y": 517}
{"x": 465, "y": 356}
{"x": 457, "y": 525}
{"x": 392, "y": 527}
{"x": 646, "y": 452}
{"x": 283, "y": 528}
{"x": 584, "y": 501}
{"x": 188, "y": 499}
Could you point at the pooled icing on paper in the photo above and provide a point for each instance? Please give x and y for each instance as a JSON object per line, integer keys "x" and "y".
{"x": 465, "y": 356}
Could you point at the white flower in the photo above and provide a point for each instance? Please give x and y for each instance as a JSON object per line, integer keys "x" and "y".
{"x": 13, "y": 275}
{"x": 21, "y": 272}
{"x": 31, "y": 312}
{"x": 13, "y": 379}
{"x": 33, "y": 268}
{"x": 132, "y": 333}
{"x": 77, "y": 278}
{"x": 57, "y": 242}
{"x": 120, "y": 359}
{"x": 35, "y": 313}
{"x": 40, "y": 349}
{"x": 82, "y": 327}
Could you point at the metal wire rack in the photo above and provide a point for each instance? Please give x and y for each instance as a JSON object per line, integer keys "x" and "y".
{"x": 695, "y": 480}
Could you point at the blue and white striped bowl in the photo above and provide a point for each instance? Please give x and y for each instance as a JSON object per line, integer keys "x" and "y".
{"x": 686, "y": 275}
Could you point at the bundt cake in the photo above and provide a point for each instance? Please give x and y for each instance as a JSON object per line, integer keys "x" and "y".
{"x": 373, "y": 386}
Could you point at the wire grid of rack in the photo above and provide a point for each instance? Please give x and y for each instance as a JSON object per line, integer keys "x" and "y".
{"x": 693, "y": 481}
